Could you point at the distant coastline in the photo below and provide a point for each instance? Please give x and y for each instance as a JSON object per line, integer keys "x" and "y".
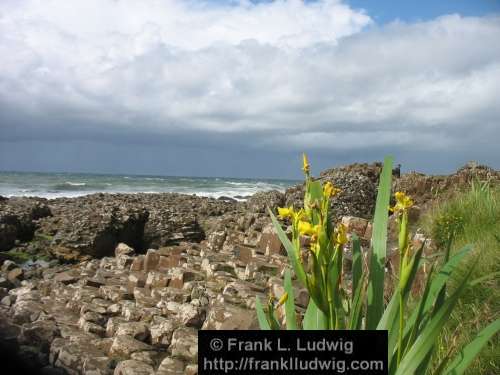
{"x": 59, "y": 185}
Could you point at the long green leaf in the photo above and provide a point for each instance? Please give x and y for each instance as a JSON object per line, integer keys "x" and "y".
{"x": 355, "y": 318}
{"x": 389, "y": 322}
{"x": 290, "y": 249}
{"x": 441, "y": 366}
{"x": 357, "y": 267}
{"x": 314, "y": 319}
{"x": 490, "y": 276}
{"x": 261, "y": 315}
{"x": 420, "y": 311}
{"x": 334, "y": 275}
{"x": 437, "y": 283}
{"x": 462, "y": 361}
{"x": 415, "y": 357}
{"x": 291, "y": 319}
{"x": 315, "y": 190}
{"x": 414, "y": 269}
{"x": 427, "y": 301}
{"x": 315, "y": 194}
{"x": 393, "y": 319}
{"x": 394, "y": 328}
{"x": 390, "y": 312}
{"x": 409, "y": 338}
{"x": 375, "y": 307}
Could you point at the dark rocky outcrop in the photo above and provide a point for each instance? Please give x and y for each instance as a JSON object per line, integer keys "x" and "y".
{"x": 18, "y": 219}
{"x": 359, "y": 190}
{"x": 95, "y": 230}
{"x": 93, "y": 225}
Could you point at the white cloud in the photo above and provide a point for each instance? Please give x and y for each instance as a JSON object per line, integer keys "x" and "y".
{"x": 293, "y": 74}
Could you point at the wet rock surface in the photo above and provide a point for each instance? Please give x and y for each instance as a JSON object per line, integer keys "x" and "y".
{"x": 139, "y": 274}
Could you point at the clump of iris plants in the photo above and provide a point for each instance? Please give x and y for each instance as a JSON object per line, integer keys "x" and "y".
{"x": 357, "y": 302}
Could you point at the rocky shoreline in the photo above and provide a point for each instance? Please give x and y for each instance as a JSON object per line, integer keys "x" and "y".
{"x": 122, "y": 282}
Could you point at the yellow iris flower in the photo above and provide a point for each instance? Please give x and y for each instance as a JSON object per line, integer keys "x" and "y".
{"x": 329, "y": 190}
{"x": 284, "y": 212}
{"x": 341, "y": 235}
{"x": 307, "y": 229}
{"x": 403, "y": 202}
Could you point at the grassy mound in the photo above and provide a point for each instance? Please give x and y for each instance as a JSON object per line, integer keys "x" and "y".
{"x": 474, "y": 215}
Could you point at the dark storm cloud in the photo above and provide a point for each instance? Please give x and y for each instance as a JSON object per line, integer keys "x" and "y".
{"x": 137, "y": 87}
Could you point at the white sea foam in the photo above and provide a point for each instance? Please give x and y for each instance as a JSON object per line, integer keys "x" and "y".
{"x": 52, "y": 185}
{"x": 75, "y": 183}
{"x": 48, "y": 195}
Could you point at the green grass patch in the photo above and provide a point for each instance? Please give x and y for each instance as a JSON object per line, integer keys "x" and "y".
{"x": 17, "y": 256}
{"x": 473, "y": 217}
{"x": 42, "y": 237}
{"x": 21, "y": 256}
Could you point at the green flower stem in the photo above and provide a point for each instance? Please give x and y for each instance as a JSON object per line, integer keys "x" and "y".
{"x": 403, "y": 245}
{"x": 331, "y": 315}
{"x": 401, "y": 327}
{"x": 337, "y": 287}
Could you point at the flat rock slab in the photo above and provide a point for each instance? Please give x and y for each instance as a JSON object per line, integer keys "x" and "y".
{"x": 137, "y": 330}
{"x": 66, "y": 278}
{"x": 132, "y": 367}
{"x": 171, "y": 366}
{"x": 123, "y": 346}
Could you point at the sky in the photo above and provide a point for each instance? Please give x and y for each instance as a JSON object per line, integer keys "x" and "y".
{"x": 242, "y": 88}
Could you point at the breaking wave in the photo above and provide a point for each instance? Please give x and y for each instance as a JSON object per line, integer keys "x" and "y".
{"x": 55, "y": 185}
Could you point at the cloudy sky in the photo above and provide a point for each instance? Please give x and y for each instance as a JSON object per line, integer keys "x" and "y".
{"x": 241, "y": 88}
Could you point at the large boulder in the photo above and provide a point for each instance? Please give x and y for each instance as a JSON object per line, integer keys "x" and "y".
{"x": 357, "y": 196}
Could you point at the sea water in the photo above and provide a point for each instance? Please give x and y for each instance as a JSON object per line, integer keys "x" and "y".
{"x": 55, "y": 185}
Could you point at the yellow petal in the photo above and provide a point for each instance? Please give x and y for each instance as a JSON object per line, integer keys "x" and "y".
{"x": 329, "y": 190}
{"x": 315, "y": 248}
{"x": 305, "y": 164}
{"x": 284, "y": 212}
{"x": 341, "y": 235}
{"x": 403, "y": 202}
{"x": 305, "y": 228}
{"x": 283, "y": 299}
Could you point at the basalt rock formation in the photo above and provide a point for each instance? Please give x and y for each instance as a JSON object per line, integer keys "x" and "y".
{"x": 148, "y": 271}
{"x": 425, "y": 188}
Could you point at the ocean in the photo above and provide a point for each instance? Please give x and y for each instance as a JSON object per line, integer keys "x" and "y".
{"x": 55, "y": 185}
